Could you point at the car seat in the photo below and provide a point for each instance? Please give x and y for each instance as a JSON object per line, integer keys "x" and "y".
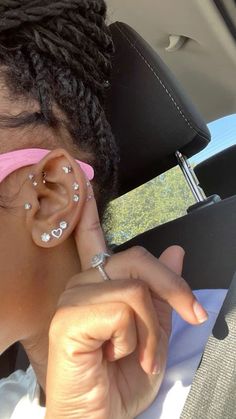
{"x": 217, "y": 175}
{"x": 156, "y": 125}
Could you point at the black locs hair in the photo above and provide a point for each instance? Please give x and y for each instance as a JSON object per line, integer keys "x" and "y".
{"x": 60, "y": 52}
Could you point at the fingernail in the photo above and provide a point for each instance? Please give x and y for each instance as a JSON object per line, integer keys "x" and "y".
{"x": 200, "y": 313}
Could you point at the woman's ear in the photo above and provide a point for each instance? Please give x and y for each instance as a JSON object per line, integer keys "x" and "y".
{"x": 56, "y": 190}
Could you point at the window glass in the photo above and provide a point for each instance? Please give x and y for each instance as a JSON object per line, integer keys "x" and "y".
{"x": 223, "y": 133}
{"x": 157, "y": 202}
{"x": 166, "y": 197}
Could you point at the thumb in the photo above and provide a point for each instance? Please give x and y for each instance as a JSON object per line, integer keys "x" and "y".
{"x": 173, "y": 258}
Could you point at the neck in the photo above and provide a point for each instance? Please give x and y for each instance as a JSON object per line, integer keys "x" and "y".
{"x": 36, "y": 343}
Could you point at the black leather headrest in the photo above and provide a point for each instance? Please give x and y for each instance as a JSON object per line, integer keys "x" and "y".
{"x": 150, "y": 115}
{"x": 217, "y": 174}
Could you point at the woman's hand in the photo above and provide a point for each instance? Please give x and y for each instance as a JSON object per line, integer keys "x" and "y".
{"x": 108, "y": 340}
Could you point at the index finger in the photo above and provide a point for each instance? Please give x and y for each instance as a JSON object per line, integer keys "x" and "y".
{"x": 89, "y": 236}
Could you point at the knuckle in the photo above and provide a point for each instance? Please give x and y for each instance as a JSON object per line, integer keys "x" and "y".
{"x": 139, "y": 289}
{"x": 125, "y": 315}
{"x": 138, "y": 252}
{"x": 181, "y": 285}
{"x": 55, "y": 328}
{"x": 59, "y": 324}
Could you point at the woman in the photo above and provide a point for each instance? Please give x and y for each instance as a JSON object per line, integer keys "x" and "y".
{"x": 97, "y": 347}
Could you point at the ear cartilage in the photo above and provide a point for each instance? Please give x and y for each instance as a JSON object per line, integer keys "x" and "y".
{"x": 27, "y": 206}
{"x": 67, "y": 169}
{"x": 76, "y": 198}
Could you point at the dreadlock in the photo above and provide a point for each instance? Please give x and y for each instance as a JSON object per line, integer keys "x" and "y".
{"x": 59, "y": 52}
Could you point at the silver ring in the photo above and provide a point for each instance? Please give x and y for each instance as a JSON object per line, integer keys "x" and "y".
{"x": 98, "y": 261}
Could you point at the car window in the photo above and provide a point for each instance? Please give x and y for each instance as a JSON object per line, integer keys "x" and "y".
{"x": 166, "y": 197}
{"x": 223, "y": 133}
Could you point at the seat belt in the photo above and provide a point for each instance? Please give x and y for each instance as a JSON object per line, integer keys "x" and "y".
{"x": 213, "y": 392}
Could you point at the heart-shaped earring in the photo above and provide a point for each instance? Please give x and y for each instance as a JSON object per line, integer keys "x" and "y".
{"x": 57, "y": 233}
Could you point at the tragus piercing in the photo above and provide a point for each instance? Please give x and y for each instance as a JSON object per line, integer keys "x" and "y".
{"x": 35, "y": 183}
{"x": 27, "y": 206}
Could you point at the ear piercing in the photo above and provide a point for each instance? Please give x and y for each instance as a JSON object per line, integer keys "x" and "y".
{"x": 35, "y": 183}
{"x": 44, "y": 174}
{"x": 27, "y": 206}
{"x": 67, "y": 169}
{"x": 75, "y": 186}
{"x": 56, "y": 233}
{"x": 76, "y": 198}
{"x": 31, "y": 177}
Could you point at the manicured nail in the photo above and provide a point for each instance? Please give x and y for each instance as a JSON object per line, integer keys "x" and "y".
{"x": 200, "y": 313}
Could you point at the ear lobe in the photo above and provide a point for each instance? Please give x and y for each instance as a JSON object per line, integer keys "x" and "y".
{"x": 60, "y": 190}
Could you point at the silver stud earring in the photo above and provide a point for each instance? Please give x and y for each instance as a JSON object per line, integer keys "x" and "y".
{"x": 76, "y": 198}
{"x": 35, "y": 183}
{"x": 27, "y": 206}
{"x": 45, "y": 237}
{"x": 67, "y": 169}
{"x": 75, "y": 186}
{"x": 31, "y": 176}
{"x": 63, "y": 225}
{"x": 57, "y": 232}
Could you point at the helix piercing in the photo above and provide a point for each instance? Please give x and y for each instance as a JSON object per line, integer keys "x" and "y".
{"x": 76, "y": 198}
{"x": 75, "y": 186}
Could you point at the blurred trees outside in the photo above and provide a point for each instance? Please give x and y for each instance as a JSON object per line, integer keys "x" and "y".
{"x": 163, "y": 199}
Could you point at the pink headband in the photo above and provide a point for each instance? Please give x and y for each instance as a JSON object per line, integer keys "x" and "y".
{"x": 9, "y": 162}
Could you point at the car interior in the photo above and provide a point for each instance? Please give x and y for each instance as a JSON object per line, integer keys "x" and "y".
{"x": 174, "y": 72}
